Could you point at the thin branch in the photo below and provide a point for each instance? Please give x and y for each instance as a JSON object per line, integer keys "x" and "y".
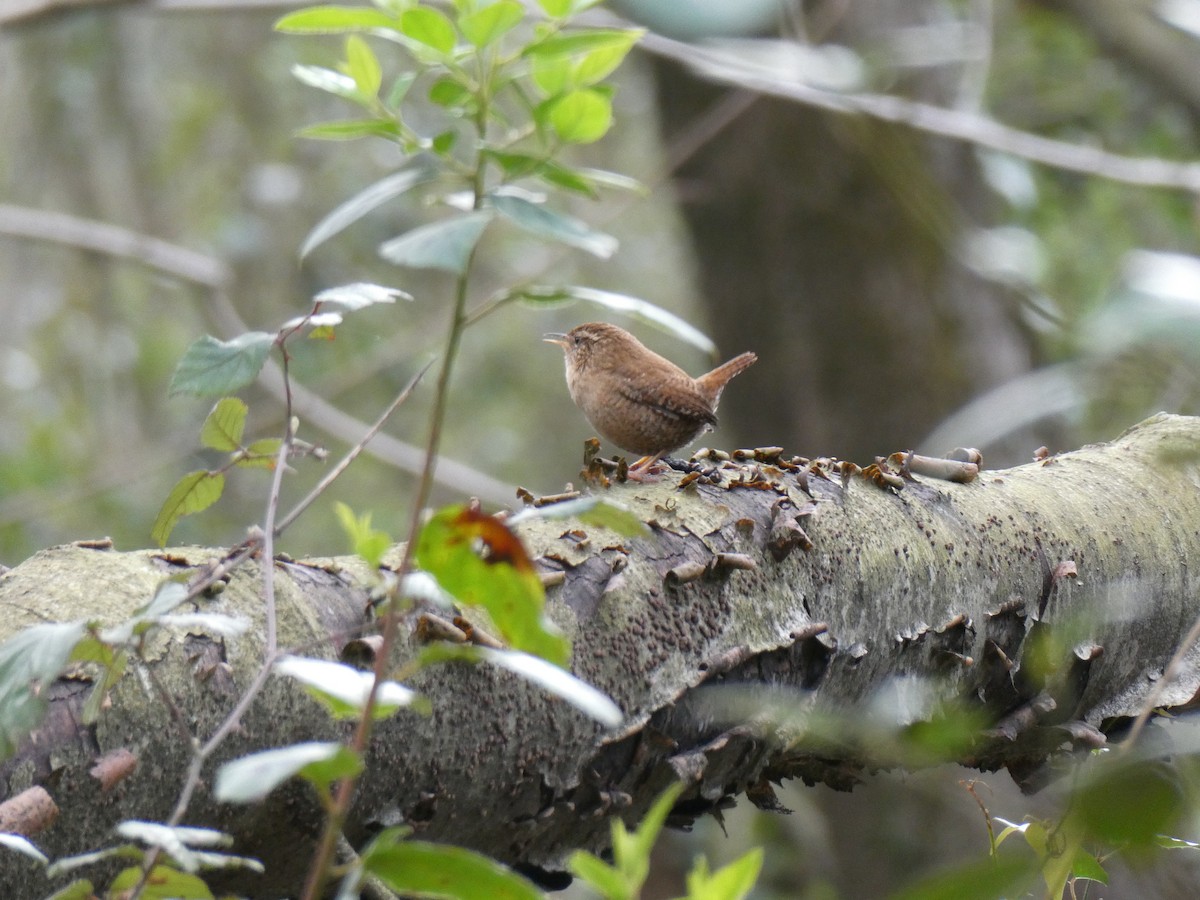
{"x": 346, "y": 460}
{"x": 729, "y": 67}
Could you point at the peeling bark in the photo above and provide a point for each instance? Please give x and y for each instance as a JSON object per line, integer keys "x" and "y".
{"x": 812, "y": 590}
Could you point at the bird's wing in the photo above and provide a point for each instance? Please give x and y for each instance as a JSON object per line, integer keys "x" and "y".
{"x": 680, "y": 401}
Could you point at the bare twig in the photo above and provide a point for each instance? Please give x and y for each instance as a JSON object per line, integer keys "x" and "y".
{"x": 344, "y": 463}
{"x": 737, "y": 69}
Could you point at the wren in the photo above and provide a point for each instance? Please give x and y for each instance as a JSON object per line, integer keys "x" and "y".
{"x": 635, "y": 398}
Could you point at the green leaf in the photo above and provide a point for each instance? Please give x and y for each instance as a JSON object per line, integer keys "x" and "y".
{"x": 559, "y": 682}
{"x": 24, "y": 846}
{"x": 443, "y": 143}
{"x": 632, "y": 855}
{"x": 445, "y": 245}
{"x": 731, "y": 882}
{"x": 76, "y": 890}
{"x": 250, "y": 778}
{"x": 429, "y": 27}
{"x": 483, "y": 26}
{"x": 210, "y": 367}
{"x": 986, "y": 879}
{"x": 555, "y": 9}
{"x": 223, "y": 428}
{"x": 335, "y": 20}
{"x": 364, "y": 202}
{"x": 29, "y": 661}
{"x": 366, "y": 541}
{"x": 598, "y": 64}
{"x": 399, "y": 89}
{"x": 602, "y": 877}
{"x": 350, "y": 130}
{"x": 482, "y": 563}
{"x": 579, "y": 44}
{"x": 363, "y": 66}
{"x": 1084, "y": 865}
{"x": 542, "y": 295}
{"x": 546, "y": 223}
{"x": 447, "y": 91}
{"x": 419, "y": 869}
{"x": 260, "y": 454}
{"x": 580, "y": 117}
{"x": 552, "y": 74}
{"x": 342, "y": 689}
{"x": 164, "y": 883}
{"x": 1130, "y": 804}
{"x": 593, "y": 510}
{"x": 193, "y": 493}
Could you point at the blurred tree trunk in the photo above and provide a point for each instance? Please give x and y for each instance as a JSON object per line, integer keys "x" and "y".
{"x": 830, "y": 245}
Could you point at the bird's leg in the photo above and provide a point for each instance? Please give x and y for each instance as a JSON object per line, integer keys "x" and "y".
{"x": 642, "y": 470}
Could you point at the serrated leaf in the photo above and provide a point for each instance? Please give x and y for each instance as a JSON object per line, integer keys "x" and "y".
{"x": 364, "y": 202}
{"x": 546, "y": 223}
{"x": 559, "y": 682}
{"x": 540, "y": 295}
{"x": 363, "y": 66}
{"x": 335, "y": 20}
{"x": 342, "y": 689}
{"x": 483, "y": 26}
{"x": 416, "y": 868}
{"x": 445, "y": 245}
{"x": 210, "y": 367}
{"x": 350, "y": 130}
{"x": 193, "y": 493}
{"x": 581, "y": 116}
{"x": 482, "y": 563}
{"x": 226, "y": 422}
{"x": 250, "y": 778}
{"x": 429, "y": 27}
{"x": 163, "y": 883}
{"x": 24, "y": 846}
{"x": 360, "y": 295}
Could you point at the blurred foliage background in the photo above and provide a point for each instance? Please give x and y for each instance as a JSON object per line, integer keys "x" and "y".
{"x": 902, "y": 289}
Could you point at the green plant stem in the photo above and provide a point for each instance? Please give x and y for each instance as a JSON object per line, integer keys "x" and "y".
{"x": 318, "y": 874}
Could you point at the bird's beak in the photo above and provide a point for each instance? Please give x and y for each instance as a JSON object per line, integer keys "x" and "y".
{"x": 555, "y": 338}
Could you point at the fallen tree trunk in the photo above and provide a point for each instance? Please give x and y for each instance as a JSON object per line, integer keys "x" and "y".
{"x": 819, "y": 590}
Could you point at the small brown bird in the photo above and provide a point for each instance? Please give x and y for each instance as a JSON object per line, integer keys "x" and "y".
{"x": 635, "y": 398}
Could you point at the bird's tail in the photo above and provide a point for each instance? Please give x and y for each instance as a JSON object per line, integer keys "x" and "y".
{"x": 714, "y": 382}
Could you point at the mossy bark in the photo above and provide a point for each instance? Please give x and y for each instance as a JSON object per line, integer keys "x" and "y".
{"x": 818, "y": 595}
